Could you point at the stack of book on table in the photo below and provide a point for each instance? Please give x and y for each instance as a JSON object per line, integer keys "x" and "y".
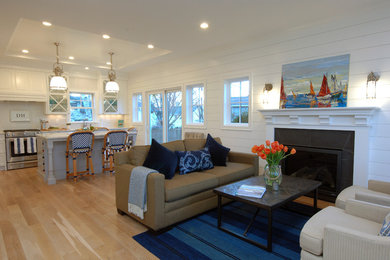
{"x": 251, "y": 191}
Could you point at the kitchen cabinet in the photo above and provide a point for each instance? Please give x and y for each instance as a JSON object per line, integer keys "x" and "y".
{"x": 121, "y": 99}
{"x": 22, "y": 85}
{"x": 2, "y": 152}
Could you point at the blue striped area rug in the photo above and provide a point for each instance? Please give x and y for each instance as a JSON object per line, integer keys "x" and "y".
{"x": 199, "y": 237}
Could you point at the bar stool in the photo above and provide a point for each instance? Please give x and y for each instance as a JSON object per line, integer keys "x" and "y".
{"x": 114, "y": 141}
{"x": 80, "y": 142}
{"x": 130, "y": 139}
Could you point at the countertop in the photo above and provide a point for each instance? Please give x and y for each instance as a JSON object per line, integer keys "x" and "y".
{"x": 63, "y": 134}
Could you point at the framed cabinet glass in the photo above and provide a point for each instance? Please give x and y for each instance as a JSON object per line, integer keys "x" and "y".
{"x": 58, "y": 100}
{"x": 110, "y": 100}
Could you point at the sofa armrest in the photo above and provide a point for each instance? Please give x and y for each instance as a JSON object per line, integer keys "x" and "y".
{"x": 154, "y": 216}
{"x": 344, "y": 243}
{"x": 367, "y": 210}
{"x": 373, "y": 198}
{"x": 379, "y": 186}
{"x": 122, "y": 158}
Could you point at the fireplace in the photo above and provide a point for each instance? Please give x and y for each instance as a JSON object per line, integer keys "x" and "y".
{"x": 324, "y": 155}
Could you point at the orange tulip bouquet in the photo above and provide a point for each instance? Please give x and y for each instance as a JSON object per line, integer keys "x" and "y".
{"x": 272, "y": 153}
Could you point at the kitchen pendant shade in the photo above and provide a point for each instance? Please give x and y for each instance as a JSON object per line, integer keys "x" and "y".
{"x": 58, "y": 83}
{"x": 112, "y": 87}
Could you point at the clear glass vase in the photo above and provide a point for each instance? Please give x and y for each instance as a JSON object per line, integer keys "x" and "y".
{"x": 273, "y": 176}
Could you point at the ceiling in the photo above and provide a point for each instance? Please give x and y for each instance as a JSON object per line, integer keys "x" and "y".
{"x": 172, "y": 26}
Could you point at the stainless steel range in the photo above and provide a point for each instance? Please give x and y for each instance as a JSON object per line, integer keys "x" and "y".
{"x": 21, "y": 148}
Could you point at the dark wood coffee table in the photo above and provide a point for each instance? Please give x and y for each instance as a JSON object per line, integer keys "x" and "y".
{"x": 290, "y": 189}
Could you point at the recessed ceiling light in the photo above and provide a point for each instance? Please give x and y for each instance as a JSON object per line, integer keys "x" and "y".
{"x": 86, "y": 68}
{"x": 108, "y": 63}
{"x": 46, "y": 23}
{"x": 106, "y": 36}
{"x": 71, "y": 57}
{"x": 25, "y": 51}
{"x": 150, "y": 46}
{"x": 204, "y": 25}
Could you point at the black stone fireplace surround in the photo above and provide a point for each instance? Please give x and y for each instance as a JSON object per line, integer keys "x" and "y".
{"x": 324, "y": 155}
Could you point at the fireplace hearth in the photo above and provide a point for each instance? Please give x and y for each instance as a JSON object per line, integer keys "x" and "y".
{"x": 324, "y": 155}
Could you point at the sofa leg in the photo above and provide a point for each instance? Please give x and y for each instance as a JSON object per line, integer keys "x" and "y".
{"x": 120, "y": 212}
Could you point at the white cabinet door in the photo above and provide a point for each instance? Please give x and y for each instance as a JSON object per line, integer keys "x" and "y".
{"x": 2, "y": 153}
{"x": 6, "y": 80}
{"x": 22, "y": 85}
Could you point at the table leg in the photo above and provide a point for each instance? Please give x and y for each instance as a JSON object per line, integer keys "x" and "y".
{"x": 251, "y": 222}
{"x": 269, "y": 239}
{"x": 315, "y": 199}
{"x": 219, "y": 210}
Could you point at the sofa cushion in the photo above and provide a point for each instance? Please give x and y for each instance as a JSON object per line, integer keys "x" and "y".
{"x": 137, "y": 154}
{"x": 181, "y": 186}
{"x": 161, "y": 159}
{"x": 191, "y": 161}
{"x": 177, "y": 145}
{"x": 218, "y": 152}
{"x": 312, "y": 234}
{"x": 231, "y": 173}
{"x": 197, "y": 144}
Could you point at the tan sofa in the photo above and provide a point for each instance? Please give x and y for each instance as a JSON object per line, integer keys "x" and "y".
{"x": 183, "y": 196}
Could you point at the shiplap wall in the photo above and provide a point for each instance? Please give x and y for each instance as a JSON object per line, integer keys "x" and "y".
{"x": 365, "y": 36}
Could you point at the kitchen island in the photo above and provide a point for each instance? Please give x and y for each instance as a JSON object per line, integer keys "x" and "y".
{"x": 51, "y": 147}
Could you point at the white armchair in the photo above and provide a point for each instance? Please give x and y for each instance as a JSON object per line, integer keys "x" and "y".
{"x": 377, "y": 192}
{"x": 352, "y": 233}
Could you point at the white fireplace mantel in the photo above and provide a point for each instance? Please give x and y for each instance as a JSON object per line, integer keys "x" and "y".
{"x": 357, "y": 119}
{"x": 340, "y": 116}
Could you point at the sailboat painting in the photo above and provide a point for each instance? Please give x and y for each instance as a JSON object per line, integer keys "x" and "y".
{"x": 315, "y": 83}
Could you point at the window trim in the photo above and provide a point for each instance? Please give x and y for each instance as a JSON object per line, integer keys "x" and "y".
{"x": 133, "y": 107}
{"x": 188, "y": 105}
{"x": 226, "y": 102}
{"x": 93, "y": 107}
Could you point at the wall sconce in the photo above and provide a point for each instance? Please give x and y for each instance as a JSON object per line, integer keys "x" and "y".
{"x": 372, "y": 78}
{"x": 267, "y": 88}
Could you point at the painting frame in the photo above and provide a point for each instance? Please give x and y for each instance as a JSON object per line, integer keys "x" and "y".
{"x": 315, "y": 83}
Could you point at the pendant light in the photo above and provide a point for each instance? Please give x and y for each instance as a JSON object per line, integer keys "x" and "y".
{"x": 57, "y": 82}
{"x": 111, "y": 85}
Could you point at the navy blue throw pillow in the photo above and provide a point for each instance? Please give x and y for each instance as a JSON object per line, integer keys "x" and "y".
{"x": 161, "y": 159}
{"x": 218, "y": 152}
{"x": 192, "y": 161}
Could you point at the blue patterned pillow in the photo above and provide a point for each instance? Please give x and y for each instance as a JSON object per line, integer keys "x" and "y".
{"x": 192, "y": 161}
{"x": 385, "y": 230}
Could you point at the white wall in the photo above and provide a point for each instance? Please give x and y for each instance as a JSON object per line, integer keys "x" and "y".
{"x": 365, "y": 36}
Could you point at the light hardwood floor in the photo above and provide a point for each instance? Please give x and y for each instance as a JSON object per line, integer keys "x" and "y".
{"x": 64, "y": 221}
{"x": 67, "y": 220}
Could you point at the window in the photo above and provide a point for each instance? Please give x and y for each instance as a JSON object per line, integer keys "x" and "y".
{"x": 236, "y": 110}
{"x": 81, "y": 107}
{"x": 195, "y": 104}
{"x": 165, "y": 115}
{"x": 110, "y": 100}
{"x": 137, "y": 107}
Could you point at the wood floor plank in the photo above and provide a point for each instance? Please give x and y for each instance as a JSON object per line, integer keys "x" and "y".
{"x": 11, "y": 241}
{"x": 64, "y": 221}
